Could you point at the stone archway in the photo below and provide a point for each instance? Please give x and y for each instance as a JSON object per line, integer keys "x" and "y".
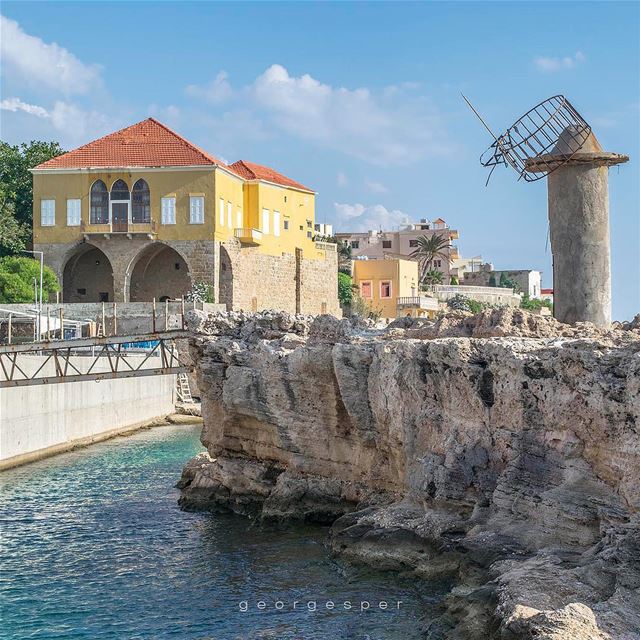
{"x": 226, "y": 279}
{"x": 159, "y": 272}
{"x": 87, "y": 276}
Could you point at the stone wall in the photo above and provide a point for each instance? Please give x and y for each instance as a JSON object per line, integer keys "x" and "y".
{"x": 251, "y": 280}
{"x": 124, "y": 252}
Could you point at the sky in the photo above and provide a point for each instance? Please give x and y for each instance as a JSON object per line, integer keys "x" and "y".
{"x": 360, "y": 101}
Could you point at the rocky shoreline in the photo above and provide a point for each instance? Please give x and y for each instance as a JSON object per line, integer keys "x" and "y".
{"x": 499, "y": 450}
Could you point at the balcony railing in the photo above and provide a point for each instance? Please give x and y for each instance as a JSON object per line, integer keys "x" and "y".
{"x": 248, "y": 235}
{"x": 326, "y": 246}
{"x": 422, "y": 302}
{"x": 124, "y": 227}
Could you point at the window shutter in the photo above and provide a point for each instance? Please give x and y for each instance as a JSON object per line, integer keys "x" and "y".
{"x": 229, "y": 215}
{"x": 73, "y": 212}
{"x": 265, "y": 221}
{"x": 276, "y": 223}
{"x": 47, "y": 213}
{"x": 239, "y": 219}
{"x": 168, "y": 210}
{"x": 196, "y": 209}
{"x": 221, "y": 214}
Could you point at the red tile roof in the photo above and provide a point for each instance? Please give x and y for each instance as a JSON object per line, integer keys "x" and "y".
{"x": 146, "y": 144}
{"x": 252, "y": 171}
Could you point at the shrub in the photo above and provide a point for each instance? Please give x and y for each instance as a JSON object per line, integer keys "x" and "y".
{"x": 534, "y": 304}
{"x": 345, "y": 288}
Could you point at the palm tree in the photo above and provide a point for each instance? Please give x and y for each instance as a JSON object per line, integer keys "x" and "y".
{"x": 429, "y": 248}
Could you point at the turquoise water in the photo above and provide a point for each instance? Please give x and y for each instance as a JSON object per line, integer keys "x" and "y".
{"x": 94, "y": 546}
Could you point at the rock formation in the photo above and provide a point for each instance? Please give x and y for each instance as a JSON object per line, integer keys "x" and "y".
{"x": 500, "y": 450}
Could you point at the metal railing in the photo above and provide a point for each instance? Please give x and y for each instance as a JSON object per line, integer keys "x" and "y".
{"x": 463, "y": 289}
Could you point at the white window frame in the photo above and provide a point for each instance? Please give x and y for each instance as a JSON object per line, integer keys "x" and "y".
{"x": 265, "y": 221}
{"x": 47, "y": 212}
{"x": 239, "y": 218}
{"x": 370, "y": 283}
{"x": 221, "y": 213}
{"x": 168, "y": 210}
{"x": 74, "y": 212}
{"x": 276, "y": 223}
{"x": 229, "y": 215}
{"x": 390, "y": 289}
{"x": 196, "y": 217}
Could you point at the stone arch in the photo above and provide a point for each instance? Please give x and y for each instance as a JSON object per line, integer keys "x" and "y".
{"x": 87, "y": 275}
{"x": 159, "y": 272}
{"x": 226, "y": 279}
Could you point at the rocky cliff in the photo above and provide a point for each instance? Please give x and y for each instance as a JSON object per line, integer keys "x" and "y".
{"x": 501, "y": 450}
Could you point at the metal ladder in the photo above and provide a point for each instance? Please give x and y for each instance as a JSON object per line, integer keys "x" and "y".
{"x": 183, "y": 390}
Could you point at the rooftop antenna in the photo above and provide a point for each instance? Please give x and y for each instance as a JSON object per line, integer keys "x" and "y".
{"x": 553, "y": 140}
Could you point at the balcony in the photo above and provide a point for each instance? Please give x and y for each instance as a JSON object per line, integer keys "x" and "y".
{"x": 417, "y": 302}
{"x": 326, "y": 246}
{"x": 248, "y": 236}
{"x": 120, "y": 228}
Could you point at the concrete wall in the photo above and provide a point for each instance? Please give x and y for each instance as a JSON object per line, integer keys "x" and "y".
{"x": 38, "y": 419}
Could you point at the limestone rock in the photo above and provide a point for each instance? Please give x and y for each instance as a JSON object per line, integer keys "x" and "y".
{"x": 500, "y": 450}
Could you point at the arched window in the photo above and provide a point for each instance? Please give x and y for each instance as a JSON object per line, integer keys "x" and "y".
{"x": 99, "y": 203}
{"x": 141, "y": 202}
{"x": 120, "y": 190}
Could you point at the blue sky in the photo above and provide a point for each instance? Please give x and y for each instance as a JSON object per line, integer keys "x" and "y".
{"x": 360, "y": 101}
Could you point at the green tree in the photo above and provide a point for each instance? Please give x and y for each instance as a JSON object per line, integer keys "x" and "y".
{"x": 17, "y": 277}
{"x": 454, "y": 281}
{"x": 345, "y": 288}
{"x": 506, "y": 282}
{"x": 16, "y": 185}
{"x": 429, "y": 249}
{"x": 534, "y": 304}
{"x": 492, "y": 280}
{"x": 14, "y": 235}
{"x": 433, "y": 277}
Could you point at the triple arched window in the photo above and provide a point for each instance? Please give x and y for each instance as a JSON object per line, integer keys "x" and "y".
{"x": 139, "y": 199}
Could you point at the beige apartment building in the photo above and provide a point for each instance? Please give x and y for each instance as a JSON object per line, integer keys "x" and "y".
{"x": 401, "y": 243}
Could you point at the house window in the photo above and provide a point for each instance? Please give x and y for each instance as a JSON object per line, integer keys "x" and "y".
{"x": 355, "y": 244}
{"x": 308, "y": 224}
{"x": 196, "y": 209}
{"x": 141, "y": 202}
{"x": 309, "y": 234}
{"x": 168, "y": 210}
{"x": 99, "y": 213}
{"x": 47, "y": 213}
{"x": 385, "y": 288}
{"x": 229, "y": 215}
{"x": 437, "y": 264}
{"x": 239, "y": 218}
{"x": 413, "y": 243}
{"x": 73, "y": 212}
{"x": 120, "y": 200}
{"x": 276, "y": 223}
{"x": 386, "y": 244}
{"x": 285, "y": 224}
{"x": 265, "y": 221}
{"x": 221, "y": 211}
{"x": 366, "y": 289}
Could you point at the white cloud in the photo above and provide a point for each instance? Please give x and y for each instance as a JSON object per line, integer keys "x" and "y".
{"x": 15, "y": 104}
{"x": 376, "y": 187}
{"x": 358, "y": 217}
{"x": 28, "y": 59}
{"x": 342, "y": 179}
{"x": 70, "y": 123}
{"x": 389, "y": 128}
{"x": 552, "y": 65}
{"x": 217, "y": 91}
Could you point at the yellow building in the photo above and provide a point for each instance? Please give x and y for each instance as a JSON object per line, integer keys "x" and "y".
{"x": 390, "y": 287}
{"x": 142, "y": 213}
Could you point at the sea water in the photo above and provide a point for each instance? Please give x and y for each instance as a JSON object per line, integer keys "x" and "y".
{"x": 93, "y": 545}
